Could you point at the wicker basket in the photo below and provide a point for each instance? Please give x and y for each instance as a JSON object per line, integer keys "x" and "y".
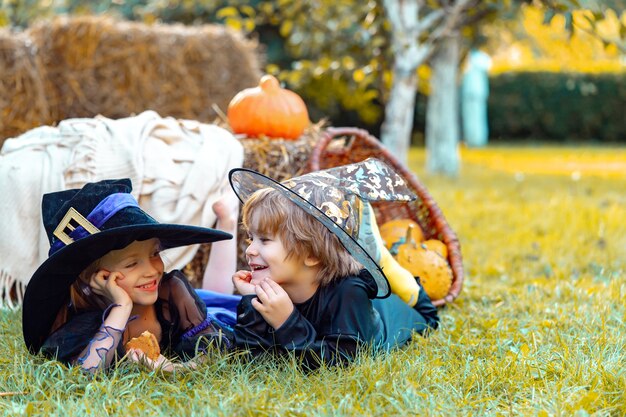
{"x": 340, "y": 146}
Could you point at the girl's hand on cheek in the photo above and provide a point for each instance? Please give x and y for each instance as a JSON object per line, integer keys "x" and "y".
{"x": 104, "y": 283}
{"x": 241, "y": 281}
{"x": 273, "y": 303}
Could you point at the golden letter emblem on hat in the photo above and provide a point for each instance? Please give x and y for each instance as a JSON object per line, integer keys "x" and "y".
{"x": 68, "y": 222}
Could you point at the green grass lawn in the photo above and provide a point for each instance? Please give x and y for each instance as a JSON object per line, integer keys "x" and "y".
{"x": 539, "y": 328}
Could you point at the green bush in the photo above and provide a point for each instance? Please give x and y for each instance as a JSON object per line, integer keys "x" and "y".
{"x": 558, "y": 106}
{"x": 537, "y": 106}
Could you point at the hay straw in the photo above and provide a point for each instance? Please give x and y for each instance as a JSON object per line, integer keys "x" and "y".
{"x": 98, "y": 65}
{"x": 23, "y": 102}
{"x": 280, "y": 158}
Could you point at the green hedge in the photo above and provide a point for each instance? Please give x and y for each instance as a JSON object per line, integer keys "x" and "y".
{"x": 538, "y": 106}
{"x": 558, "y": 106}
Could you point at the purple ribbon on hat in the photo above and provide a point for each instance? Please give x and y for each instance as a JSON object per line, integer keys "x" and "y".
{"x": 110, "y": 205}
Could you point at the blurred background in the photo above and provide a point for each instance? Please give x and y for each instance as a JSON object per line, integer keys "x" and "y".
{"x": 473, "y": 72}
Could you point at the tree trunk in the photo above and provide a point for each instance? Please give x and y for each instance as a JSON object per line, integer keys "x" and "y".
{"x": 399, "y": 110}
{"x": 442, "y": 113}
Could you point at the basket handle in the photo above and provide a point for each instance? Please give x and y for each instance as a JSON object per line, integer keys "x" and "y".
{"x": 335, "y": 134}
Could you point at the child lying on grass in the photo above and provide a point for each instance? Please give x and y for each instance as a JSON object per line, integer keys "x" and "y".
{"x": 307, "y": 291}
{"x": 104, "y": 282}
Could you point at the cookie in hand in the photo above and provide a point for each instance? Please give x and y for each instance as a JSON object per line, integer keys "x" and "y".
{"x": 147, "y": 343}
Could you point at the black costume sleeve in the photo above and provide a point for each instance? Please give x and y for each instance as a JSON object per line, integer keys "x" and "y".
{"x": 73, "y": 337}
{"x": 348, "y": 322}
{"x": 179, "y": 306}
{"x": 251, "y": 330}
{"x": 209, "y": 333}
{"x": 314, "y": 348}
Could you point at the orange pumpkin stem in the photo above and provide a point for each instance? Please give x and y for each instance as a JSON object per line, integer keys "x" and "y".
{"x": 409, "y": 236}
{"x": 269, "y": 83}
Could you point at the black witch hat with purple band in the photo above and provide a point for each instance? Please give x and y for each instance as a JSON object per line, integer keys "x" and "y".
{"x": 82, "y": 226}
{"x": 338, "y": 198}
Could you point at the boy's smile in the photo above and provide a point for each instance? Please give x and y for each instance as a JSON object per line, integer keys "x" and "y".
{"x": 267, "y": 258}
{"x": 258, "y": 274}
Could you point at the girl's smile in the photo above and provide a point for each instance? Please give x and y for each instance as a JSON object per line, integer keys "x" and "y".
{"x": 141, "y": 266}
{"x": 149, "y": 287}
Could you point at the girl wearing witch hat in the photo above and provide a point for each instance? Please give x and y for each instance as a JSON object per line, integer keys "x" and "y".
{"x": 314, "y": 286}
{"x": 104, "y": 282}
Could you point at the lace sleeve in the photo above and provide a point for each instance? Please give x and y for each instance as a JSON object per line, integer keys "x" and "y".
{"x": 100, "y": 351}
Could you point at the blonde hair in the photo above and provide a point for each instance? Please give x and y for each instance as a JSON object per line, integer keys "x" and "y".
{"x": 301, "y": 234}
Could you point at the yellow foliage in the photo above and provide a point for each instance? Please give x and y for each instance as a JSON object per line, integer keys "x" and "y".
{"x": 285, "y": 28}
{"x": 358, "y": 75}
{"x": 227, "y": 12}
{"x": 233, "y": 23}
{"x": 423, "y": 75}
{"x": 549, "y": 47}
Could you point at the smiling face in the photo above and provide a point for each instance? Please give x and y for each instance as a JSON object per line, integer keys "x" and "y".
{"x": 271, "y": 218}
{"x": 142, "y": 267}
{"x": 268, "y": 258}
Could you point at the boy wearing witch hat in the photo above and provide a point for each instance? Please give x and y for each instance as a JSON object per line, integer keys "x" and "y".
{"x": 313, "y": 286}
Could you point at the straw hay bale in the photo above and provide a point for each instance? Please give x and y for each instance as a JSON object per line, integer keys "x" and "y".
{"x": 98, "y": 65}
{"x": 22, "y": 95}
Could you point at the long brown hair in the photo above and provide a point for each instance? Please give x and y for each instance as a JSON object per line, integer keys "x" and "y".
{"x": 82, "y": 297}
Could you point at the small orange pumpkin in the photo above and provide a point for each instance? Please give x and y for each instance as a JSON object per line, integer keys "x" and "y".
{"x": 268, "y": 110}
{"x": 395, "y": 230}
{"x": 432, "y": 269}
{"x": 437, "y": 246}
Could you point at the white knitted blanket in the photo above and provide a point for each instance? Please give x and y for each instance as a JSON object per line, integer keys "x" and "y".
{"x": 178, "y": 168}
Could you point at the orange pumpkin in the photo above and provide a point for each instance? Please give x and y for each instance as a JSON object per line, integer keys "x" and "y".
{"x": 432, "y": 269}
{"x": 437, "y": 246}
{"x": 395, "y": 230}
{"x": 268, "y": 110}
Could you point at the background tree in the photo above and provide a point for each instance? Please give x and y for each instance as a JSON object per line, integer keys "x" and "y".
{"x": 422, "y": 29}
{"x": 442, "y": 129}
{"x": 531, "y": 44}
{"x": 406, "y": 33}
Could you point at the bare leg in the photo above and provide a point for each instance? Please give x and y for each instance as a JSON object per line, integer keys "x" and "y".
{"x": 223, "y": 256}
